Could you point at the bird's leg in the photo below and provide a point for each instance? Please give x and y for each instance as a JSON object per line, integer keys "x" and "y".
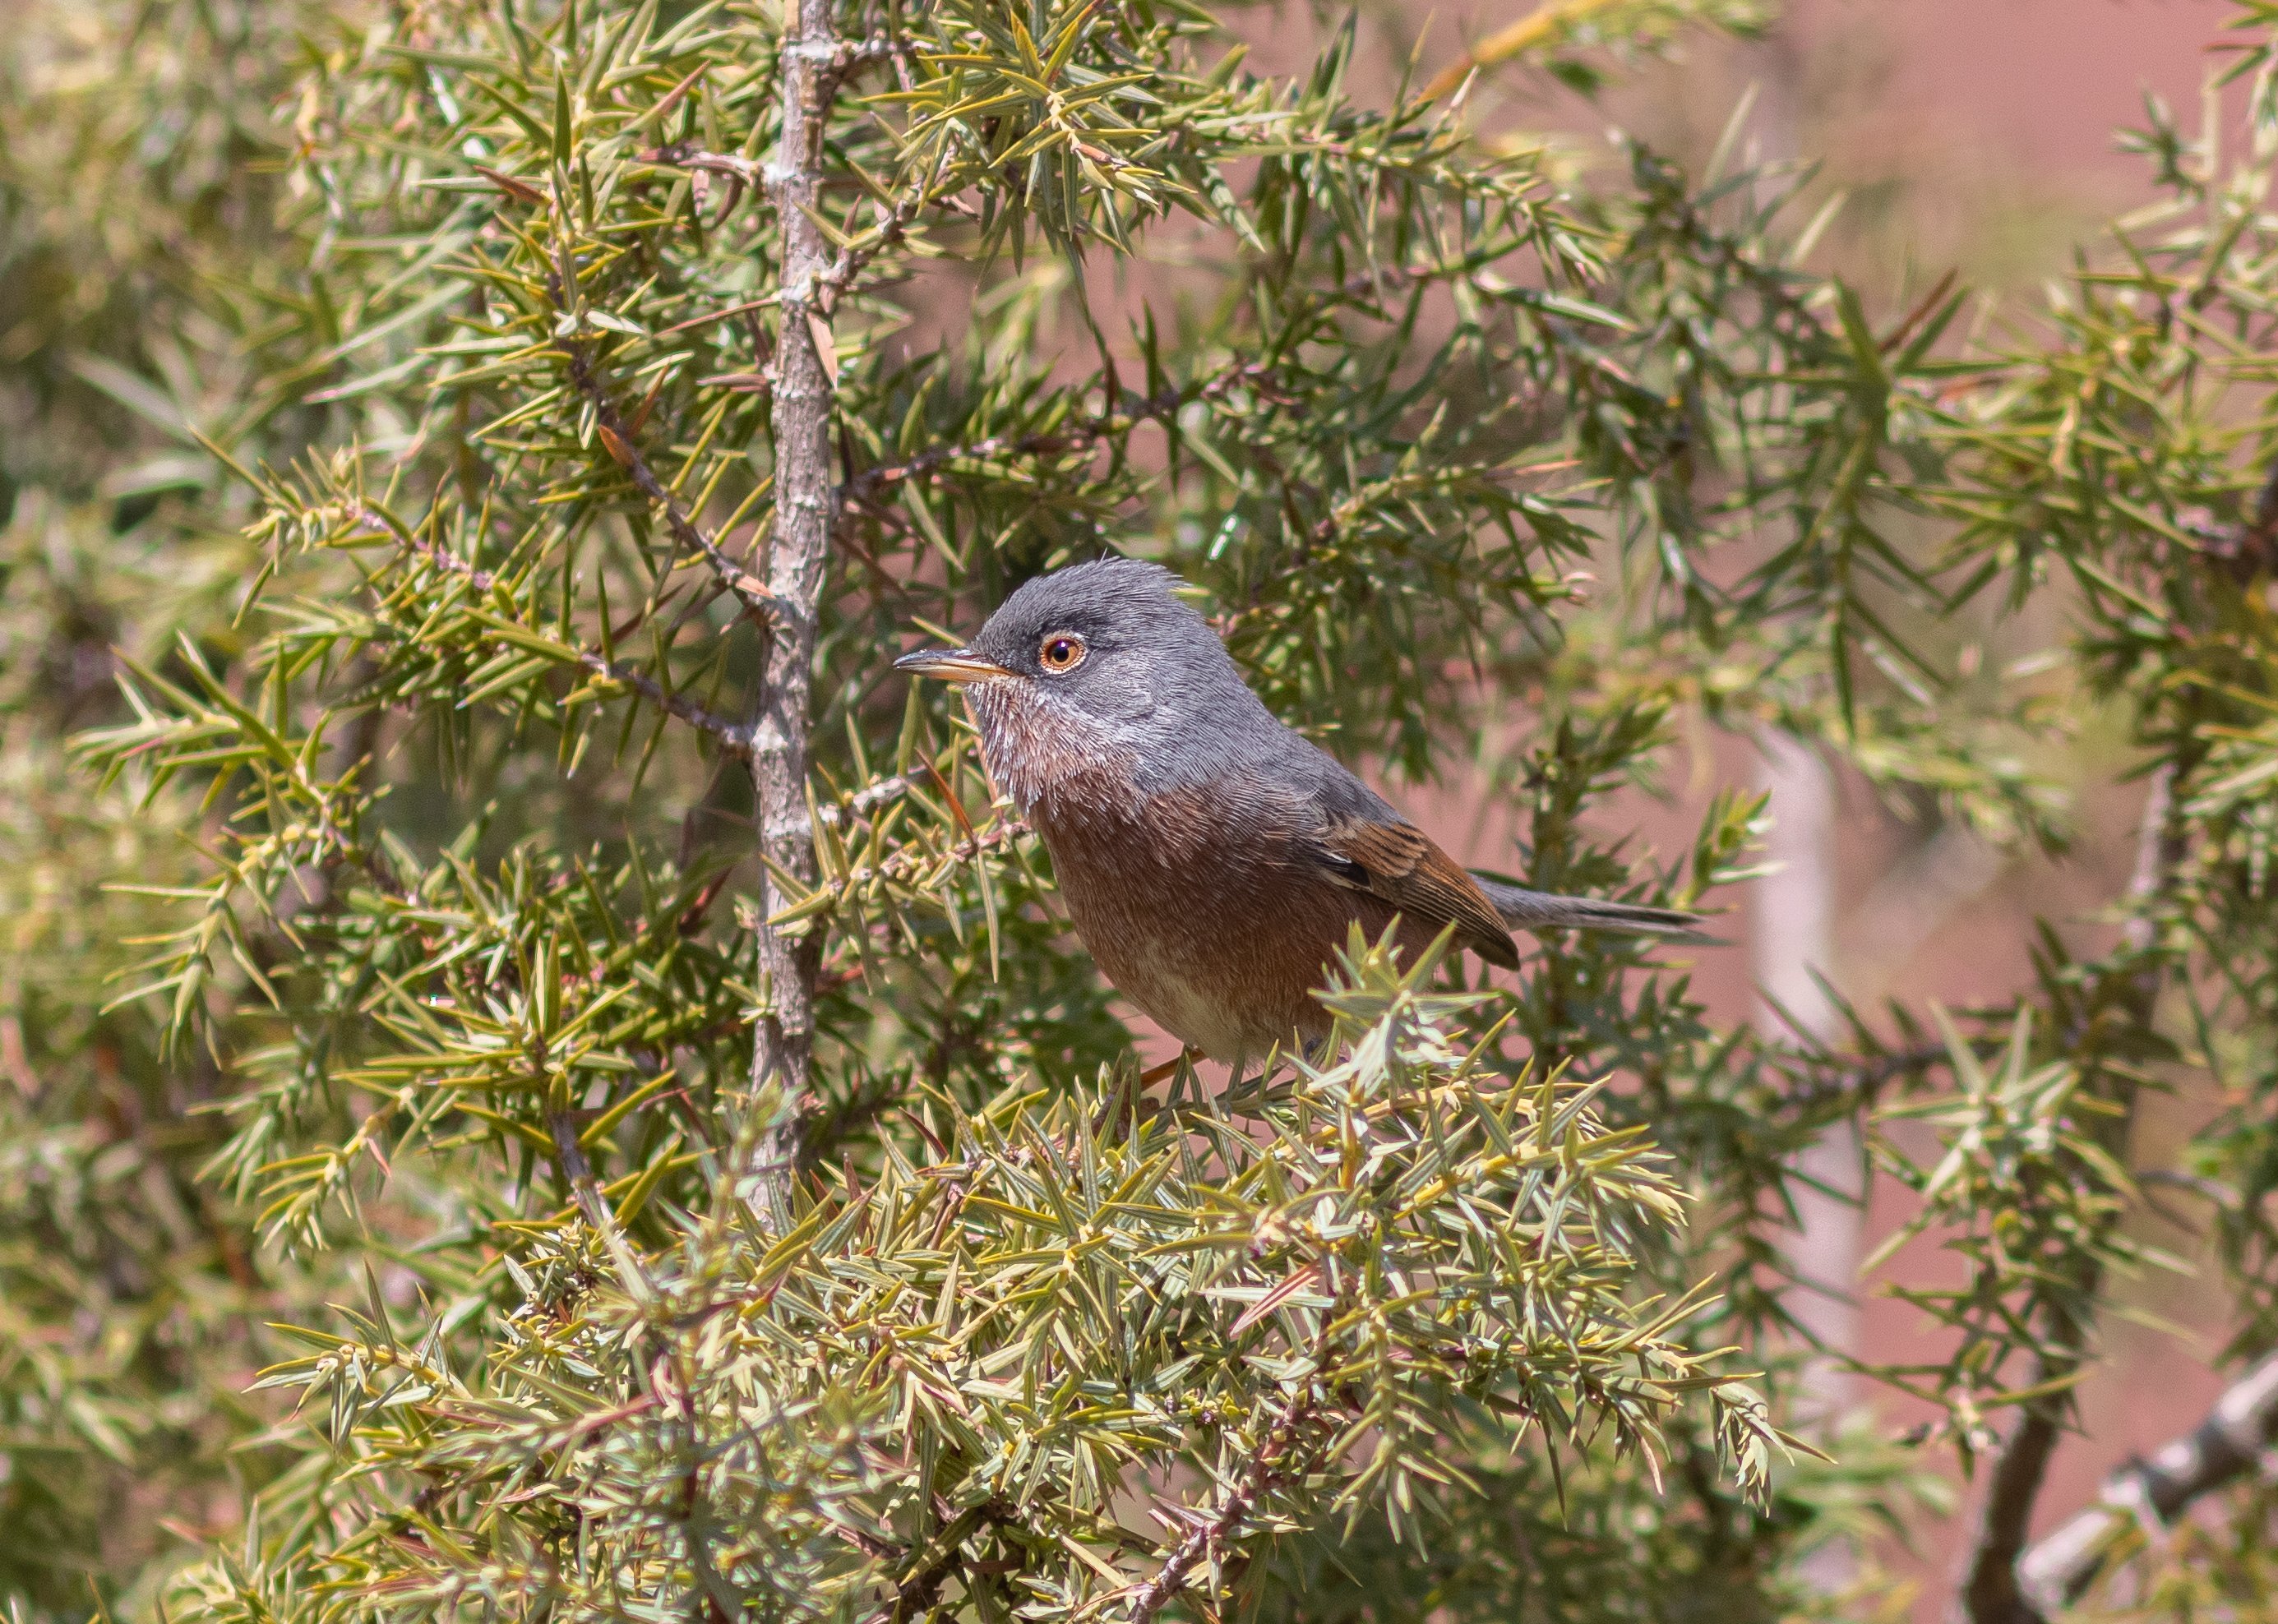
{"x": 1152, "y": 1075}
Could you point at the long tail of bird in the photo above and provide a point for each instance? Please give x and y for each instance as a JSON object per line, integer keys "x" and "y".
{"x": 1540, "y": 911}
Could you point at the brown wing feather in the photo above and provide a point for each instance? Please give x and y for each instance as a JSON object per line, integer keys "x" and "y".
{"x": 1399, "y": 862}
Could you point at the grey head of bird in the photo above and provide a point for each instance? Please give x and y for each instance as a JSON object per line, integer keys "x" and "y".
{"x": 1097, "y": 683}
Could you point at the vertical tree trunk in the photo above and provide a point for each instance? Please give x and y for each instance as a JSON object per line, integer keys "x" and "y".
{"x": 1791, "y": 936}
{"x": 798, "y": 556}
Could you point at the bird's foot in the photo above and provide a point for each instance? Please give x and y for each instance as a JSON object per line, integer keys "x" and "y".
{"x": 1153, "y": 1075}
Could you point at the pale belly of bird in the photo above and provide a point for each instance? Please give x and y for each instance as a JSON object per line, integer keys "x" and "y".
{"x": 1224, "y": 951}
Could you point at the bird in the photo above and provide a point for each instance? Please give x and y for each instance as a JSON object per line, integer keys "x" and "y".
{"x": 1212, "y": 860}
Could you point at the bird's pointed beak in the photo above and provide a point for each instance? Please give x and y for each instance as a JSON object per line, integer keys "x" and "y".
{"x": 950, "y": 665}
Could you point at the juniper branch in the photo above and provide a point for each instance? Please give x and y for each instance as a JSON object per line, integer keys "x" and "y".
{"x": 617, "y": 441}
{"x": 1210, "y": 1533}
{"x": 2157, "y": 1489}
{"x": 730, "y": 736}
{"x": 870, "y": 484}
{"x": 1991, "y": 1590}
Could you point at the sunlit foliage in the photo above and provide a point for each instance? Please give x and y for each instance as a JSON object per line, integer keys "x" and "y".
{"x": 388, "y": 1202}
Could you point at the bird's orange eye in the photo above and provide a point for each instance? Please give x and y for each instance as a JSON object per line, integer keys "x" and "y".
{"x": 1063, "y": 650}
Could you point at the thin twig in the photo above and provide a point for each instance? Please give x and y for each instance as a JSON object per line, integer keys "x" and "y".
{"x": 866, "y": 800}
{"x": 1201, "y": 1537}
{"x": 834, "y": 283}
{"x": 371, "y": 518}
{"x": 863, "y": 802}
{"x": 914, "y": 1594}
{"x": 617, "y": 441}
{"x": 732, "y": 737}
{"x": 866, "y": 485}
{"x": 688, "y": 155}
{"x": 854, "y": 55}
{"x": 578, "y": 1173}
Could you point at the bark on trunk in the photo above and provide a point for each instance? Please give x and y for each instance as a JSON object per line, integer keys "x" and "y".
{"x": 798, "y": 556}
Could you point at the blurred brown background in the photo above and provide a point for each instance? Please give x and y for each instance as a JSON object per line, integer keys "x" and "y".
{"x": 1977, "y": 135}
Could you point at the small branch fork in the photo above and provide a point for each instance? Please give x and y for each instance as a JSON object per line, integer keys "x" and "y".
{"x": 1210, "y": 1533}
{"x": 730, "y": 736}
{"x": 2153, "y": 1492}
{"x": 835, "y": 282}
{"x": 832, "y": 65}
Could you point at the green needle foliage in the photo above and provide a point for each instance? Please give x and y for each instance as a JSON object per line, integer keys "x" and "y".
{"x": 1079, "y": 1292}
{"x": 543, "y": 1085}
